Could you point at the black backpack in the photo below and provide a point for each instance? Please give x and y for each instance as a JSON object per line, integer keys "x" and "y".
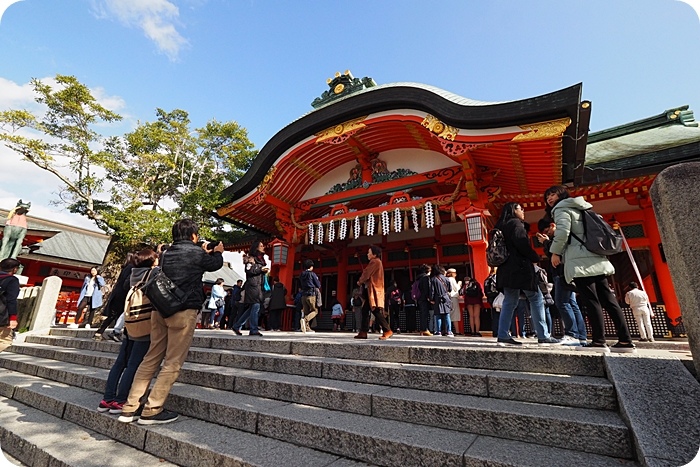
{"x": 601, "y": 239}
{"x": 472, "y": 289}
{"x": 496, "y": 252}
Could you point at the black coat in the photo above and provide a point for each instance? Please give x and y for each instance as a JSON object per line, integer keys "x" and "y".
{"x": 277, "y": 298}
{"x": 253, "y": 279}
{"x": 185, "y": 263}
{"x": 518, "y": 272}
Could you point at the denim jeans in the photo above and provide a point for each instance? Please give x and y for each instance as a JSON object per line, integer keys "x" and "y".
{"x": 251, "y": 312}
{"x": 565, "y": 301}
{"x": 215, "y": 318}
{"x": 510, "y": 302}
{"x": 518, "y": 329}
{"x": 121, "y": 375}
{"x": 440, "y": 319}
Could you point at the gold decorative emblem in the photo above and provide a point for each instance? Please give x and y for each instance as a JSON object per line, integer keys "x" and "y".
{"x": 349, "y": 127}
{"x": 439, "y": 128}
{"x": 339, "y": 88}
{"x": 265, "y": 184}
{"x": 550, "y": 129}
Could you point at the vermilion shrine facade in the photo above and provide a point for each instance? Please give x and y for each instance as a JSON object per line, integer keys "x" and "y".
{"x": 423, "y": 173}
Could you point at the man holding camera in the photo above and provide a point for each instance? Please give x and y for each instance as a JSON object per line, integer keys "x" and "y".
{"x": 184, "y": 262}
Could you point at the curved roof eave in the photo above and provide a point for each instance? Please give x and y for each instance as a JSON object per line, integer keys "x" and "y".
{"x": 450, "y": 108}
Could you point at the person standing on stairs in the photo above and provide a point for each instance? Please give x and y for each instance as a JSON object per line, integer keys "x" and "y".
{"x": 373, "y": 279}
{"x": 309, "y": 285}
{"x": 9, "y": 290}
{"x": 184, "y": 263}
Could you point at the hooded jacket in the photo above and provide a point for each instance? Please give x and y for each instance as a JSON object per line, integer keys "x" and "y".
{"x": 578, "y": 261}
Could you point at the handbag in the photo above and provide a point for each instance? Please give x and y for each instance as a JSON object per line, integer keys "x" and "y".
{"x": 266, "y": 284}
{"x": 219, "y": 302}
{"x": 164, "y": 294}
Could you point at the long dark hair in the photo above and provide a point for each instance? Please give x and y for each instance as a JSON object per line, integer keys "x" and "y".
{"x": 254, "y": 248}
{"x": 561, "y": 191}
{"x": 507, "y": 213}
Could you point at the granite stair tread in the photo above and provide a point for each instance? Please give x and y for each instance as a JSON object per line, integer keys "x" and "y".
{"x": 604, "y": 431}
{"x": 192, "y": 441}
{"x": 568, "y": 390}
{"x": 35, "y": 437}
{"x": 188, "y": 441}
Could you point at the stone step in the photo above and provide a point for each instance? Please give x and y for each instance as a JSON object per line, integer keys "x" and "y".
{"x": 402, "y": 349}
{"x": 187, "y": 442}
{"x": 562, "y": 389}
{"x": 345, "y": 438}
{"x": 603, "y": 431}
{"x": 34, "y": 437}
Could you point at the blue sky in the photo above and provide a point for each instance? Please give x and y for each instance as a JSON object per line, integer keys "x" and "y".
{"x": 261, "y": 62}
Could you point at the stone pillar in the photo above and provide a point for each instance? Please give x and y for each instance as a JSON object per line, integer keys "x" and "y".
{"x": 676, "y": 197}
{"x": 45, "y": 308}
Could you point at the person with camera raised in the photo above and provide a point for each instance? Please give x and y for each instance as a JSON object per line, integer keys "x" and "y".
{"x": 184, "y": 263}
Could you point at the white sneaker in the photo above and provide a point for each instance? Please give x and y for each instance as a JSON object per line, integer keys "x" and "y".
{"x": 568, "y": 340}
{"x": 72, "y": 326}
{"x": 87, "y": 326}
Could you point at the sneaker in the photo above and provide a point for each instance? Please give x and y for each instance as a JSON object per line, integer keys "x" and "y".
{"x": 642, "y": 340}
{"x": 437, "y": 333}
{"x": 302, "y": 325}
{"x": 569, "y": 340}
{"x": 87, "y": 326}
{"x": 99, "y": 337}
{"x": 104, "y": 406}
{"x": 259, "y": 334}
{"x": 548, "y": 341}
{"x": 361, "y": 335}
{"x": 165, "y": 416}
{"x": 595, "y": 347}
{"x": 624, "y": 348}
{"x": 449, "y": 334}
{"x": 72, "y": 326}
{"x": 237, "y": 332}
{"x": 128, "y": 417}
{"x": 426, "y": 333}
{"x": 116, "y": 408}
{"x": 510, "y": 340}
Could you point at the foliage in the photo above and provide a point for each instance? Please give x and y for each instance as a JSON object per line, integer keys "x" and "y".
{"x": 134, "y": 186}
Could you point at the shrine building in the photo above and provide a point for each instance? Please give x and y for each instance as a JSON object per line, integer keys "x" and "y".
{"x": 423, "y": 173}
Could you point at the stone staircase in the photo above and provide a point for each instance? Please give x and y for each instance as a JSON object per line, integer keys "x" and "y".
{"x": 319, "y": 400}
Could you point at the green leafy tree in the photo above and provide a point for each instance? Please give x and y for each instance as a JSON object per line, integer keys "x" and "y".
{"x": 135, "y": 186}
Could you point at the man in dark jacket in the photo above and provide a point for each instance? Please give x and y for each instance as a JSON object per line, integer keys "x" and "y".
{"x": 184, "y": 263}
{"x": 9, "y": 290}
{"x": 424, "y": 307}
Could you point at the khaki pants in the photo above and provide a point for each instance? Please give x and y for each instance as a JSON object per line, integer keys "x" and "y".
{"x": 308, "y": 303}
{"x": 170, "y": 342}
{"x": 5, "y": 338}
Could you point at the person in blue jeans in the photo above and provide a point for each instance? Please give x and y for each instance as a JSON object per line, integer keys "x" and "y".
{"x": 564, "y": 295}
{"x": 216, "y": 303}
{"x": 136, "y": 342}
{"x": 255, "y": 268}
{"x": 518, "y": 329}
{"x": 518, "y": 273}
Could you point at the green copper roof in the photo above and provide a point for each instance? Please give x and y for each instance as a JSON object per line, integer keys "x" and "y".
{"x": 674, "y": 127}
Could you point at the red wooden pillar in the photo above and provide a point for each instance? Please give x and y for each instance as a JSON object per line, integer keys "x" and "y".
{"x": 476, "y": 236}
{"x": 282, "y": 258}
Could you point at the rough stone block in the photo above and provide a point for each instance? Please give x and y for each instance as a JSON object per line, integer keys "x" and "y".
{"x": 208, "y": 357}
{"x": 675, "y": 197}
{"x": 660, "y": 401}
{"x": 367, "y": 350}
{"x": 207, "y": 375}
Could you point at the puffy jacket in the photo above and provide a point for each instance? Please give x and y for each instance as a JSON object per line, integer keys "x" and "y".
{"x": 518, "y": 271}
{"x": 578, "y": 261}
{"x": 185, "y": 263}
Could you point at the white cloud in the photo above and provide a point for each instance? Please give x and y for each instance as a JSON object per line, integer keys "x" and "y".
{"x": 156, "y": 18}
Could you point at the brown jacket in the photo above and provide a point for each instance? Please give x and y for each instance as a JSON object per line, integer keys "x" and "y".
{"x": 373, "y": 278}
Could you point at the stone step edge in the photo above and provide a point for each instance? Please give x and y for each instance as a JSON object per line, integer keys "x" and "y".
{"x": 619, "y": 430}
{"x": 479, "y": 448}
{"x": 461, "y": 356}
{"x": 226, "y": 358}
{"x": 30, "y": 451}
{"x": 205, "y": 375}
